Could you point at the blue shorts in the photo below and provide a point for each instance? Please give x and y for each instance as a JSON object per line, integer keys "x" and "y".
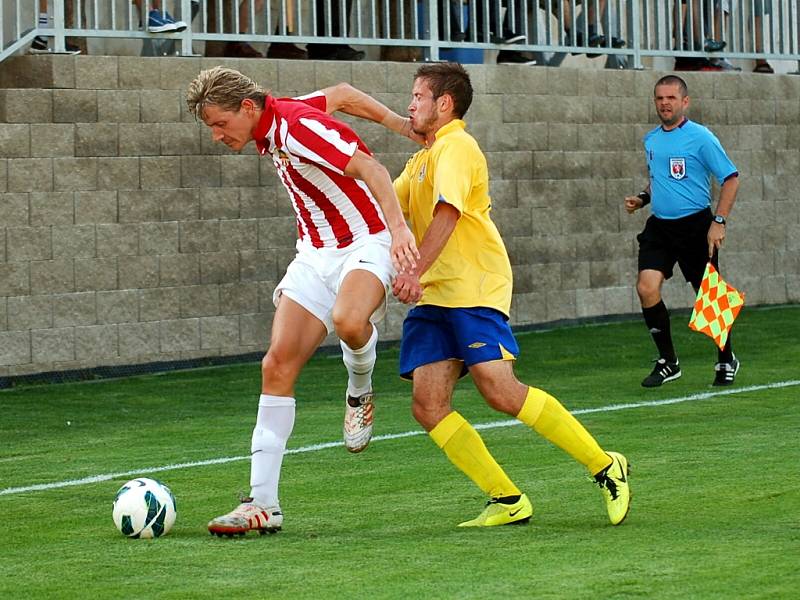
{"x": 472, "y": 335}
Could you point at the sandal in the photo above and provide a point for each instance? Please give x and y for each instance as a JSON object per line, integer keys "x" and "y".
{"x": 763, "y": 67}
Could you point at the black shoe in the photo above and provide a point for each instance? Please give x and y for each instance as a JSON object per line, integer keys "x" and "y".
{"x": 595, "y": 41}
{"x": 39, "y": 45}
{"x": 514, "y": 58}
{"x": 241, "y": 50}
{"x": 663, "y": 372}
{"x": 286, "y": 50}
{"x": 335, "y": 52}
{"x": 510, "y": 38}
{"x": 714, "y": 45}
{"x": 689, "y": 63}
{"x": 708, "y": 65}
{"x": 726, "y": 372}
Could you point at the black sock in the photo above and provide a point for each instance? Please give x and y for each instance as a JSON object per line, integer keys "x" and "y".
{"x": 726, "y": 354}
{"x": 508, "y": 499}
{"x": 657, "y": 320}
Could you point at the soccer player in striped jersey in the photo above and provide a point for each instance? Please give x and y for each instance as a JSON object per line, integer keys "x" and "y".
{"x": 352, "y": 238}
{"x": 462, "y": 289}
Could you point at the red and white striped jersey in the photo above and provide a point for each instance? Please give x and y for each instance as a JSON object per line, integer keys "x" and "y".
{"x": 310, "y": 150}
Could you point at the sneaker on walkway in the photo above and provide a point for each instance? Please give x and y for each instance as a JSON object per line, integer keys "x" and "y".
{"x": 689, "y": 63}
{"x": 498, "y": 512}
{"x": 287, "y": 51}
{"x": 39, "y": 45}
{"x": 663, "y": 372}
{"x": 158, "y": 22}
{"x": 334, "y": 52}
{"x": 726, "y": 372}
{"x": 358, "y": 417}
{"x": 708, "y": 65}
{"x": 512, "y": 57}
{"x": 241, "y": 50}
{"x": 248, "y": 516}
{"x": 508, "y": 38}
{"x": 724, "y": 64}
{"x": 613, "y": 481}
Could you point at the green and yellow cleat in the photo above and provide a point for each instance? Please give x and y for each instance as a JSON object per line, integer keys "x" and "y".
{"x": 613, "y": 481}
{"x": 497, "y": 513}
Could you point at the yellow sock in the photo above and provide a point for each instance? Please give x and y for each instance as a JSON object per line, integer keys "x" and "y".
{"x": 466, "y": 450}
{"x": 548, "y": 417}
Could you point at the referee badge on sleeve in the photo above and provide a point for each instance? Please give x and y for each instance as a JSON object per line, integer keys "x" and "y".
{"x": 677, "y": 168}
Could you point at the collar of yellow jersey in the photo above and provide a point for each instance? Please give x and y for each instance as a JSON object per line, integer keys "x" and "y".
{"x": 454, "y": 125}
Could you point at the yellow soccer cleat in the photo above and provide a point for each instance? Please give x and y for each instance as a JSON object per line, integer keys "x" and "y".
{"x": 613, "y": 481}
{"x": 497, "y": 513}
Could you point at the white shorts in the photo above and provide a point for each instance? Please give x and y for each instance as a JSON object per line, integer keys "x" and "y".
{"x": 313, "y": 278}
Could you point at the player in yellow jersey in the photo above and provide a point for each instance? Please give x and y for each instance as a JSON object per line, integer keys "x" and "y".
{"x": 462, "y": 288}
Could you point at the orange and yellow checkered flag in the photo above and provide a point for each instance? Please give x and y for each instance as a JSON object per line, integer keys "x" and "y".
{"x": 716, "y": 307}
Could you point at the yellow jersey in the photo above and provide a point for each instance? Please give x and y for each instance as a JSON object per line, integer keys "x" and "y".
{"x": 473, "y": 268}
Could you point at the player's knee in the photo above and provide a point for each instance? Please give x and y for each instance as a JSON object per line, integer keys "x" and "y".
{"x": 425, "y": 415}
{"x": 647, "y": 290}
{"x": 503, "y": 403}
{"x": 274, "y": 369}
{"x": 350, "y": 329}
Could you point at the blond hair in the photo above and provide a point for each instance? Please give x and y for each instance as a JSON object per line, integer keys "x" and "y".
{"x": 224, "y": 88}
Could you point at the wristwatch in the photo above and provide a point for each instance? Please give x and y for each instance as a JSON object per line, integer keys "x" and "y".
{"x": 719, "y": 219}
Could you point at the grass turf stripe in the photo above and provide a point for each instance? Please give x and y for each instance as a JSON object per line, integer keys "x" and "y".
{"x": 389, "y": 436}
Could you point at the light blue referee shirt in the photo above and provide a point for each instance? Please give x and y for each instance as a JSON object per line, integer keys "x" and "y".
{"x": 680, "y": 162}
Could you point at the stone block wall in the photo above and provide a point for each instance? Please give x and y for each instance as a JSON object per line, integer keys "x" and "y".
{"x": 127, "y": 237}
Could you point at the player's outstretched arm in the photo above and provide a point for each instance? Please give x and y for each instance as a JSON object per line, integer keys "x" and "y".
{"x": 404, "y": 250}
{"x": 352, "y": 101}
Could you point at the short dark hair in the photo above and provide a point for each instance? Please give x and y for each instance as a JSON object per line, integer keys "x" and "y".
{"x": 673, "y": 80}
{"x": 448, "y": 78}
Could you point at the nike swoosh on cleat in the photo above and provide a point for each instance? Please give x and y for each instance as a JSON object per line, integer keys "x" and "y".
{"x": 513, "y": 514}
{"x": 622, "y": 477}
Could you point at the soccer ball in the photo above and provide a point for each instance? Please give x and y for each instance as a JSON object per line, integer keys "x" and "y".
{"x": 144, "y": 508}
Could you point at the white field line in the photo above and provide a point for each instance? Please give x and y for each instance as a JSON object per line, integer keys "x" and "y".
{"x": 389, "y": 436}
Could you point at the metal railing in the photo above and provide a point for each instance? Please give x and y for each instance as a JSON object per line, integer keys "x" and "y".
{"x": 628, "y": 29}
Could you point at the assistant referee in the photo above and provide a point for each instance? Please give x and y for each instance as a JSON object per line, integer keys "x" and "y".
{"x": 681, "y": 157}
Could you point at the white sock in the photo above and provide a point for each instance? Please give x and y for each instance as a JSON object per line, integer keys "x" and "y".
{"x": 43, "y": 20}
{"x": 360, "y": 364}
{"x": 273, "y": 428}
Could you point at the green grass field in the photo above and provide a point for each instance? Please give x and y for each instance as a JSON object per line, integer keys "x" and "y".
{"x": 714, "y": 476}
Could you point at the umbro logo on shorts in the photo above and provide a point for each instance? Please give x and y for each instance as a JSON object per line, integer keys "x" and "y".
{"x": 475, "y": 345}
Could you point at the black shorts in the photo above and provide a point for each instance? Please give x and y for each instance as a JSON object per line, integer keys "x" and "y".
{"x": 685, "y": 241}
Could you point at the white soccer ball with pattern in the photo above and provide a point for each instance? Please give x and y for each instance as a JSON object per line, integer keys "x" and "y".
{"x": 144, "y": 508}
